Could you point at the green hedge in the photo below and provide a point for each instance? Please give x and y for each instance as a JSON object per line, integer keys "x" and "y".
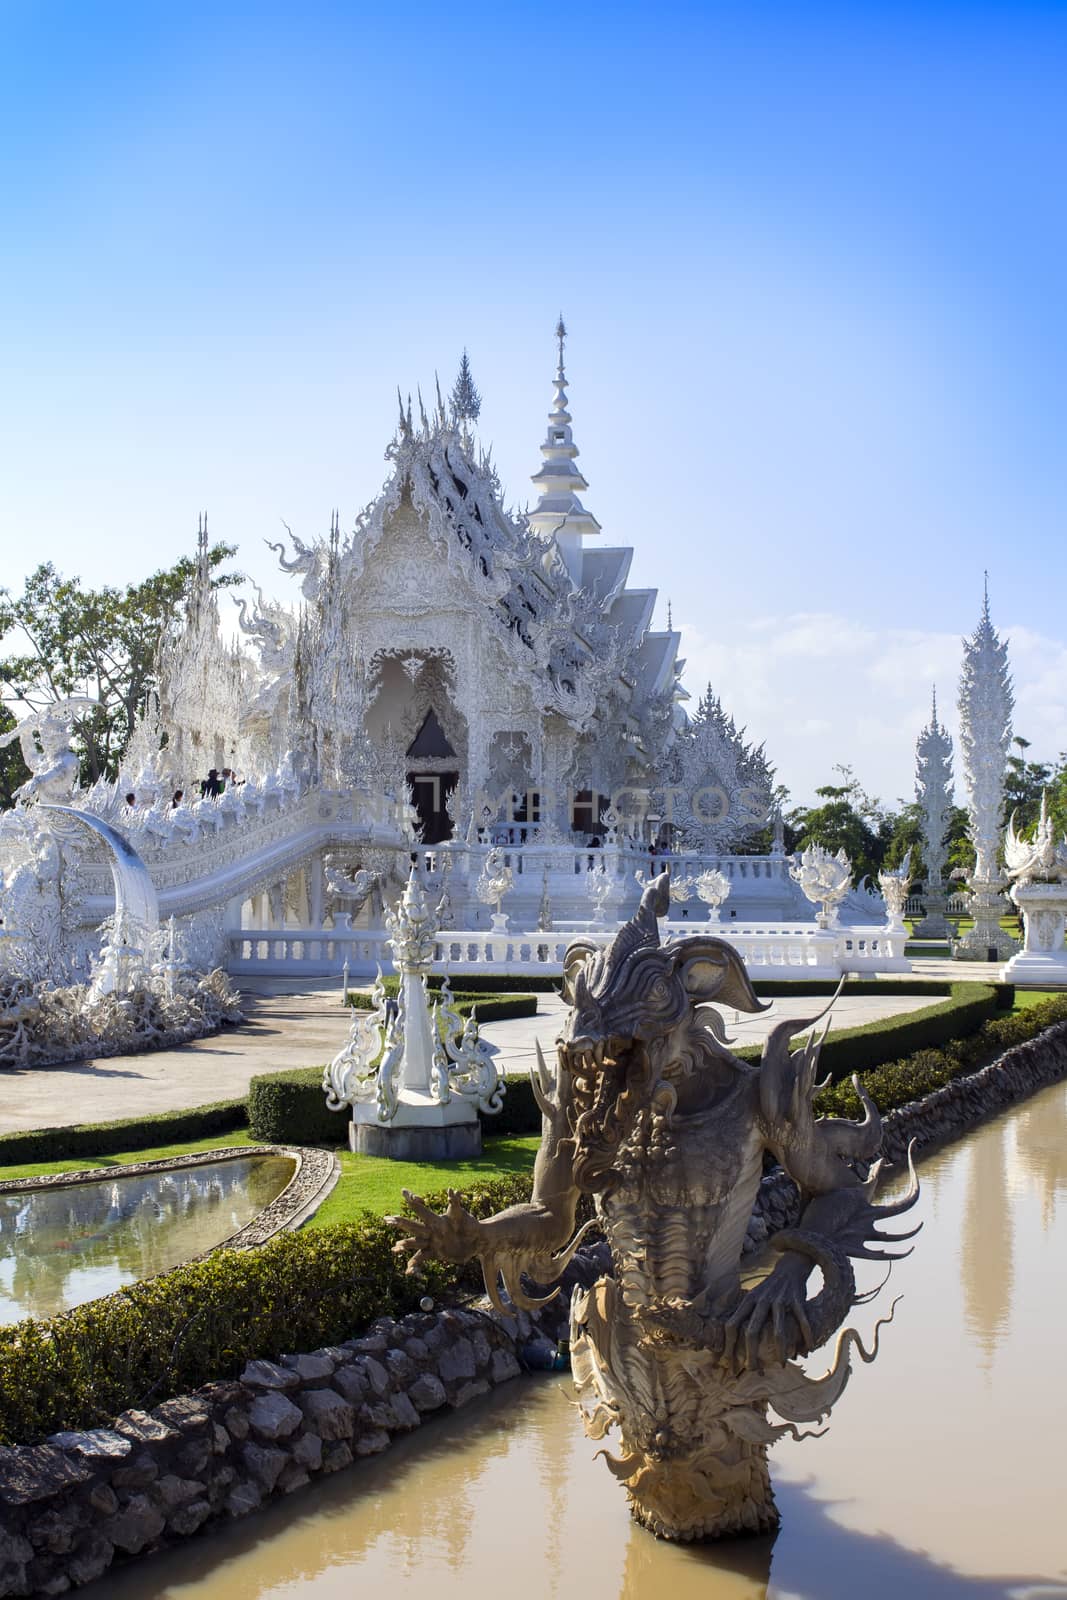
{"x": 485, "y": 982}
{"x": 290, "y": 1108}
{"x": 491, "y": 1008}
{"x": 859, "y": 1049}
{"x": 169, "y": 1334}
{"x": 91, "y": 1139}
{"x": 898, "y": 1082}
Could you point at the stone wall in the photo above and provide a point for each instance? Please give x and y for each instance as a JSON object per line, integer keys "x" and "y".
{"x": 72, "y": 1506}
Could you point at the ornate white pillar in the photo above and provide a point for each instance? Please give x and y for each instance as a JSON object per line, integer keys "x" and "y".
{"x": 985, "y": 705}
{"x": 933, "y": 791}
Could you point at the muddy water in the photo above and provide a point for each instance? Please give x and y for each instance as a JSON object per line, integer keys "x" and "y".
{"x": 943, "y": 1475}
{"x": 61, "y": 1247}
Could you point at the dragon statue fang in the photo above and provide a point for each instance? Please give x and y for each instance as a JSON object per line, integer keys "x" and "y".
{"x": 651, "y": 1114}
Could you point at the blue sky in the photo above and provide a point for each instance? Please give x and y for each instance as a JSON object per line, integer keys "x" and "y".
{"x": 811, "y": 258}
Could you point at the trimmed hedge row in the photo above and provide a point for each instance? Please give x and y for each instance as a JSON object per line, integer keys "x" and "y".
{"x": 166, "y": 1335}
{"x": 488, "y": 983}
{"x": 490, "y": 1008}
{"x": 859, "y": 1049}
{"x": 93, "y": 1139}
{"x": 898, "y": 1082}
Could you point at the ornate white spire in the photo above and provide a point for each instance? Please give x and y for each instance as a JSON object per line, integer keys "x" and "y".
{"x": 986, "y": 704}
{"x": 559, "y": 513}
{"x": 933, "y": 791}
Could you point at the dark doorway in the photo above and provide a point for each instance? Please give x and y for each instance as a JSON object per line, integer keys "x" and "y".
{"x": 429, "y": 792}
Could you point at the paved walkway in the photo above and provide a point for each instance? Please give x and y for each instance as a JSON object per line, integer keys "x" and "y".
{"x": 281, "y": 1031}
{"x": 290, "y": 1027}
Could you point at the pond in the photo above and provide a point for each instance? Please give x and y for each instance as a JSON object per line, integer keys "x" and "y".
{"x": 60, "y": 1247}
{"x": 942, "y": 1475}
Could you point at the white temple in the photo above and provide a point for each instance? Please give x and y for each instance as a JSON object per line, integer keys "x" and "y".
{"x": 475, "y": 686}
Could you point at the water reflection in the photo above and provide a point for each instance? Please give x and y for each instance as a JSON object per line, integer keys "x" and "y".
{"x": 61, "y": 1247}
{"x": 941, "y": 1476}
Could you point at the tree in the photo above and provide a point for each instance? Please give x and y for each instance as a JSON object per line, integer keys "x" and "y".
{"x": 465, "y": 400}
{"x": 101, "y": 643}
{"x": 13, "y": 770}
{"x": 1024, "y": 783}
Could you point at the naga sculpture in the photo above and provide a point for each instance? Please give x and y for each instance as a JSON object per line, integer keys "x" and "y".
{"x": 651, "y": 1114}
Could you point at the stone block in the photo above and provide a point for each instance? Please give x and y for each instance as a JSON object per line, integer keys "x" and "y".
{"x": 503, "y": 1366}
{"x": 103, "y": 1499}
{"x": 140, "y": 1428}
{"x": 400, "y": 1367}
{"x": 427, "y": 1393}
{"x": 269, "y": 1375}
{"x": 188, "y": 1518}
{"x": 352, "y": 1383}
{"x": 404, "y": 1414}
{"x": 336, "y": 1456}
{"x": 37, "y": 1472}
{"x": 456, "y": 1362}
{"x": 142, "y": 1470}
{"x": 372, "y": 1444}
{"x": 307, "y": 1452}
{"x": 263, "y": 1464}
{"x": 171, "y": 1491}
{"x": 189, "y": 1414}
{"x": 243, "y": 1498}
{"x": 327, "y": 1414}
{"x": 417, "y": 1349}
{"x": 55, "y": 1532}
{"x": 293, "y": 1476}
{"x": 372, "y": 1344}
{"x": 376, "y": 1375}
{"x": 102, "y": 1446}
{"x": 271, "y": 1416}
{"x": 138, "y": 1524}
{"x": 236, "y": 1422}
{"x": 482, "y": 1349}
{"x": 93, "y": 1558}
{"x": 313, "y": 1370}
{"x": 193, "y": 1457}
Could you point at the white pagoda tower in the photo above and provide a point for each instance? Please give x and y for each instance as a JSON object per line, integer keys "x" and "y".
{"x": 933, "y": 791}
{"x": 986, "y": 703}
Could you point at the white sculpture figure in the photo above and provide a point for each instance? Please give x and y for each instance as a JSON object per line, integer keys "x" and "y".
{"x": 352, "y": 1075}
{"x": 824, "y": 879}
{"x": 1038, "y": 870}
{"x": 446, "y": 915}
{"x": 681, "y": 888}
{"x": 45, "y": 738}
{"x": 364, "y": 885}
{"x": 713, "y": 887}
{"x": 121, "y": 967}
{"x": 407, "y": 1109}
{"x": 494, "y": 883}
{"x": 598, "y": 886}
{"x": 933, "y": 791}
{"x": 463, "y": 1064}
{"x": 894, "y": 883}
{"x": 985, "y": 705}
{"x": 544, "y": 909}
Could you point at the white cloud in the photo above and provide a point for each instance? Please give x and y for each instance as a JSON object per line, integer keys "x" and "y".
{"x": 821, "y": 689}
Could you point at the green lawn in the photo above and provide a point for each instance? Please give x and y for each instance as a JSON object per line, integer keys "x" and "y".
{"x": 369, "y": 1182}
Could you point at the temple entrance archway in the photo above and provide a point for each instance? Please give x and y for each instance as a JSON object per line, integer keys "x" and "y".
{"x": 430, "y": 793}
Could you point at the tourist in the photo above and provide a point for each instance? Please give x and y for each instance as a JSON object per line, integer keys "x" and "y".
{"x": 211, "y": 787}
{"x": 131, "y": 800}
{"x": 176, "y": 798}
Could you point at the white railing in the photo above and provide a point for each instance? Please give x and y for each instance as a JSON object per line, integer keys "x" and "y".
{"x": 769, "y": 950}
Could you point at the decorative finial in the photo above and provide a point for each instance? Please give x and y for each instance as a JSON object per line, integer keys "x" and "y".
{"x": 985, "y": 592}
{"x": 933, "y": 714}
{"x": 561, "y": 334}
{"x": 466, "y": 401}
{"x": 670, "y": 620}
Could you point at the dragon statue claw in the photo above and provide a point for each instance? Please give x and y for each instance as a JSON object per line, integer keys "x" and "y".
{"x": 648, "y": 1112}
